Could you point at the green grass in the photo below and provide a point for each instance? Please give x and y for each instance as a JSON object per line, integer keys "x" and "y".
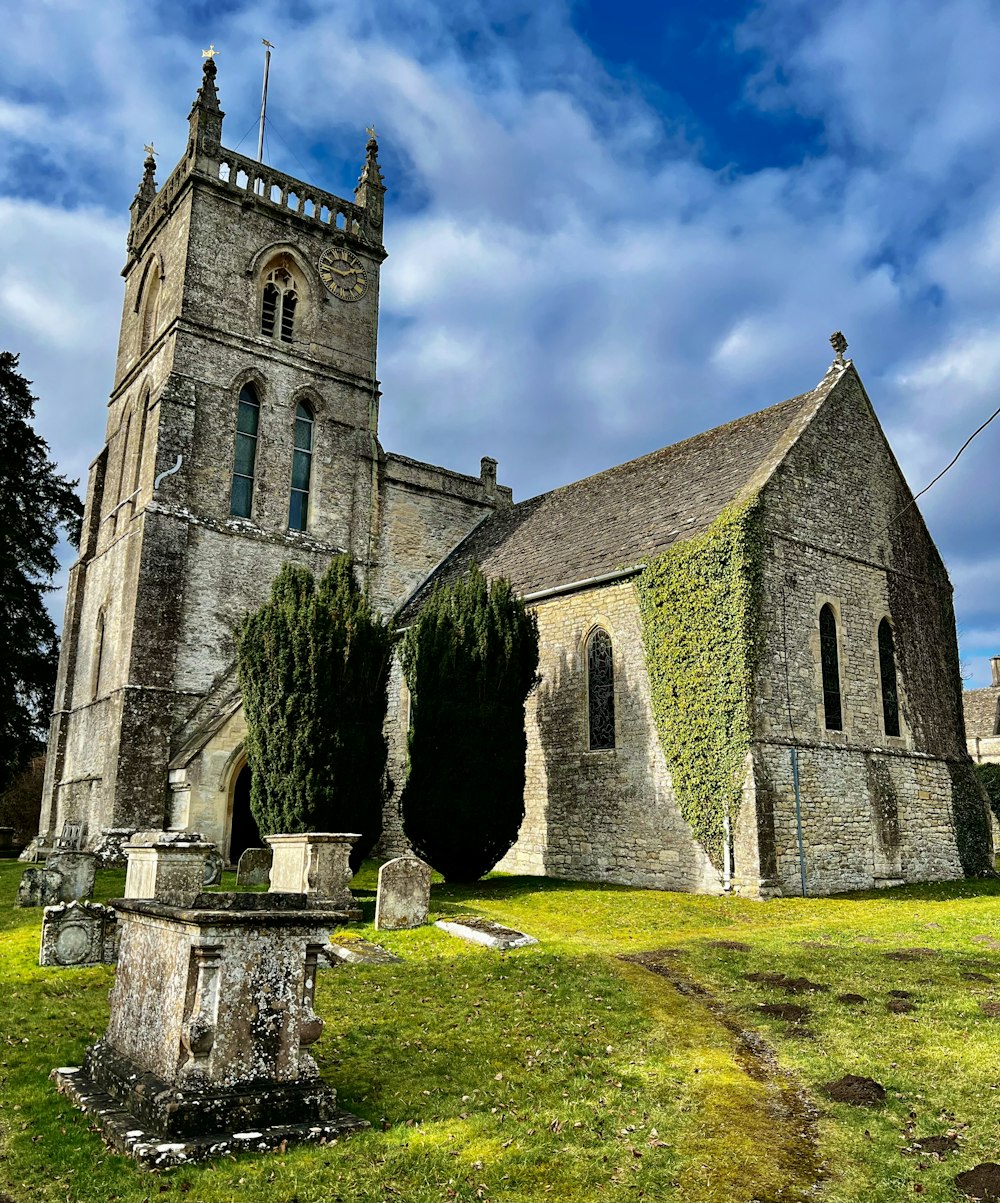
{"x": 561, "y": 1072}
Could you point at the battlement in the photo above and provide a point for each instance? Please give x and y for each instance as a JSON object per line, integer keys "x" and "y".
{"x": 258, "y": 183}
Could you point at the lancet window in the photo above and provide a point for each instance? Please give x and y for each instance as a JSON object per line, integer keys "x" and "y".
{"x": 887, "y": 673}
{"x": 830, "y": 663}
{"x": 601, "y": 691}
{"x": 298, "y": 505}
{"x": 245, "y": 452}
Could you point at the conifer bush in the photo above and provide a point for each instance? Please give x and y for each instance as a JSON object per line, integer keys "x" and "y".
{"x": 470, "y": 660}
{"x": 313, "y": 665}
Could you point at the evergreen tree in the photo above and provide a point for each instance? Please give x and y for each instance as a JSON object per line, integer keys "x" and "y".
{"x": 470, "y": 661}
{"x": 313, "y": 665}
{"x": 34, "y": 503}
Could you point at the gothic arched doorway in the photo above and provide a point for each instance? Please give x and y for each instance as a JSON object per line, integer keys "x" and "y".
{"x": 243, "y": 831}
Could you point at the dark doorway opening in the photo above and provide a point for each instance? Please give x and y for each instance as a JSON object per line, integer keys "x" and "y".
{"x": 244, "y": 832}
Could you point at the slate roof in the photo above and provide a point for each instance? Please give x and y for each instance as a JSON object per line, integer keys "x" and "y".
{"x": 624, "y": 515}
{"x": 981, "y": 712}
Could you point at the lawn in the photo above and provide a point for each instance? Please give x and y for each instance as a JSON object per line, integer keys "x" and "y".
{"x": 562, "y": 1071}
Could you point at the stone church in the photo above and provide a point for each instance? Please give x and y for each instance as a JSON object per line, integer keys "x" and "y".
{"x": 242, "y": 433}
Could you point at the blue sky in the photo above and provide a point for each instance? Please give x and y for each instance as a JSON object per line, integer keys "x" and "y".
{"x": 610, "y": 225}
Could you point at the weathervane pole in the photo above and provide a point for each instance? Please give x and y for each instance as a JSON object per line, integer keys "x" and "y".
{"x": 263, "y": 100}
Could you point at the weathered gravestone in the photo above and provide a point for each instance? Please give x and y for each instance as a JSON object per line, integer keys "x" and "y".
{"x": 254, "y": 868}
{"x": 404, "y": 894}
{"x": 207, "y": 1048}
{"x": 77, "y": 870}
{"x": 355, "y": 951}
{"x": 486, "y": 931}
{"x": 38, "y": 887}
{"x": 64, "y": 877}
{"x": 78, "y": 933}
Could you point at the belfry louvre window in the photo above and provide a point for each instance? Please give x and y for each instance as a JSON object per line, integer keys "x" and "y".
{"x": 601, "y": 691}
{"x": 830, "y": 663}
{"x": 887, "y": 672}
{"x": 277, "y": 313}
{"x": 245, "y": 452}
{"x": 298, "y": 505}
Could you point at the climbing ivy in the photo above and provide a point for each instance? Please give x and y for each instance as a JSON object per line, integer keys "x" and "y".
{"x": 989, "y": 775}
{"x": 700, "y": 603}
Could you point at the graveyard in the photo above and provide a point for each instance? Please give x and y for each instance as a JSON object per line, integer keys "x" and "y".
{"x": 654, "y": 1045}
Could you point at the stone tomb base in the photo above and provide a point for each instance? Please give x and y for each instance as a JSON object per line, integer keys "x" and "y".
{"x": 143, "y": 1116}
{"x": 207, "y": 1047}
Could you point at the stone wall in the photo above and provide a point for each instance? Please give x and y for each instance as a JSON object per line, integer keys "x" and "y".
{"x": 600, "y": 815}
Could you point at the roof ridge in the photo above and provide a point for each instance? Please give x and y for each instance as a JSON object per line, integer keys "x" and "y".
{"x": 712, "y": 430}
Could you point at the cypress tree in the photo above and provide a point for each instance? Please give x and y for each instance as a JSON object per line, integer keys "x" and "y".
{"x": 313, "y": 665}
{"x": 470, "y": 660}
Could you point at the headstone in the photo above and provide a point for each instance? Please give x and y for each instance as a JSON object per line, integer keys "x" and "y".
{"x": 110, "y": 848}
{"x": 207, "y": 1050}
{"x": 77, "y": 870}
{"x": 358, "y": 952}
{"x": 6, "y": 838}
{"x": 315, "y": 863}
{"x": 166, "y": 865}
{"x": 404, "y": 894}
{"x": 214, "y": 864}
{"x": 39, "y": 886}
{"x": 71, "y": 838}
{"x": 77, "y": 934}
{"x": 485, "y": 931}
{"x": 254, "y": 868}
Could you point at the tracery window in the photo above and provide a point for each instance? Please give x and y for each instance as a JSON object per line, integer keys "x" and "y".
{"x": 601, "y": 691}
{"x": 277, "y": 314}
{"x": 150, "y": 310}
{"x": 887, "y": 673}
{"x": 245, "y": 452}
{"x": 830, "y": 663}
{"x": 298, "y": 505}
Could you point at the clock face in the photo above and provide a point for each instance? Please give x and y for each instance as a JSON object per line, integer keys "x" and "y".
{"x": 343, "y": 273}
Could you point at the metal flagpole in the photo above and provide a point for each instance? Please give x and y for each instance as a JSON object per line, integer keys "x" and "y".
{"x": 263, "y": 100}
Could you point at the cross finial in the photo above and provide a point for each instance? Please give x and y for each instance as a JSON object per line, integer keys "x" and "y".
{"x": 211, "y": 52}
{"x": 839, "y": 344}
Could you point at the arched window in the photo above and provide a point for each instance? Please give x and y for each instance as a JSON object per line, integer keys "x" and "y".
{"x": 298, "y": 505}
{"x": 830, "y": 662}
{"x": 95, "y": 678}
{"x": 245, "y": 453}
{"x": 601, "y": 691}
{"x": 887, "y": 672}
{"x": 150, "y": 310}
{"x": 277, "y": 312}
{"x": 141, "y": 442}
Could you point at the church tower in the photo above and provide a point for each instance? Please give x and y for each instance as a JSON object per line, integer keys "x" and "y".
{"x": 241, "y": 434}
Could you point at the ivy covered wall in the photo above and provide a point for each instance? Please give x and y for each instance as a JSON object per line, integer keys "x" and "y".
{"x": 700, "y": 603}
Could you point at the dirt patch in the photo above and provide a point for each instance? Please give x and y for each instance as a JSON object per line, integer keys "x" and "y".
{"x": 990, "y": 942}
{"x": 972, "y": 976}
{"x": 992, "y": 1009}
{"x": 981, "y": 1182}
{"x": 900, "y": 994}
{"x": 939, "y": 1146}
{"x": 862, "y": 1092}
{"x": 865, "y": 940}
{"x": 786, "y": 1011}
{"x": 852, "y": 1000}
{"x": 900, "y": 1006}
{"x": 791, "y": 985}
{"x": 731, "y": 945}
{"x": 911, "y": 954}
